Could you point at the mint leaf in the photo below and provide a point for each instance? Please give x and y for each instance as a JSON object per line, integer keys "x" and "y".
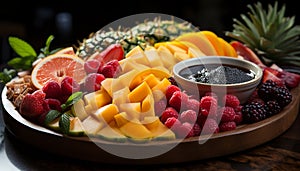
{"x": 51, "y": 116}
{"x": 7, "y": 75}
{"x": 64, "y": 123}
{"x": 21, "y": 47}
{"x": 22, "y": 62}
{"x": 45, "y": 51}
{"x": 72, "y": 99}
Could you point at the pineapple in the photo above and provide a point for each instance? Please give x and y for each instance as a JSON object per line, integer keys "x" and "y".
{"x": 270, "y": 34}
{"x": 143, "y": 34}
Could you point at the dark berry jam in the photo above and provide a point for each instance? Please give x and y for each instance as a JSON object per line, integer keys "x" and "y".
{"x": 217, "y": 74}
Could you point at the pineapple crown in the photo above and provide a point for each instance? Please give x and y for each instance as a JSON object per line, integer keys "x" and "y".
{"x": 272, "y": 35}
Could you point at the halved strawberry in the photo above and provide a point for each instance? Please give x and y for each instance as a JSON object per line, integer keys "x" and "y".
{"x": 245, "y": 52}
{"x": 113, "y": 51}
{"x": 268, "y": 75}
{"x": 290, "y": 79}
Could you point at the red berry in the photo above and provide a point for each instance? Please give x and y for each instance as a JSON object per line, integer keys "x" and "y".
{"x": 189, "y": 116}
{"x": 159, "y": 107}
{"x": 196, "y": 129}
{"x": 185, "y": 130}
{"x": 108, "y": 71}
{"x": 201, "y": 120}
{"x": 227, "y": 114}
{"x": 92, "y": 66}
{"x": 69, "y": 86}
{"x": 173, "y": 123}
{"x": 210, "y": 126}
{"x": 193, "y": 104}
{"x": 227, "y": 126}
{"x": 93, "y": 82}
{"x": 54, "y": 104}
{"x": 212, "y": 94}
{"x": 52, "y": 89}
{"x": 167, "y": 113}
{"x": 33, "y": 105}
{"x": 208, "y": 105}
{"x": 231, "y": 100}
{"x": 115, "y": 64}
{"x": 170, "y": 90}
{"x": 238, "y": 118}
{"x": 178, "y": 100}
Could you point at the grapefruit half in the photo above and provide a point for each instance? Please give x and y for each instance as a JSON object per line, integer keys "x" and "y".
{"x": 56, "y": 67}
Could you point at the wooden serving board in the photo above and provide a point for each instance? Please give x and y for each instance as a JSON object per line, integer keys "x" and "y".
{"x": 174, "y": 151}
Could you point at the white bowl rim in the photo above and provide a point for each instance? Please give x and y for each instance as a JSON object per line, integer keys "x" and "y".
{"x": 257, "y": 78}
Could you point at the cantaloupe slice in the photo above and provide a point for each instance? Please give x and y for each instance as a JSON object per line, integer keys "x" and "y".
{"x": 92, "y": 125}
{"x": 139, "y": 93}
{"x": 162, "y": 85}
{"x": 136, "y": 51}
{"x": 122, "y": 118}
{"x": 121, "y": 96}
{"x": 136, "y": 130}
{"x": 153, "y": 57}
{"x": 199, "y": 40}
{"x": 180, "y": 56}
{"x": 227, "y": 48}
{"x": 106, "y": 113}
{"x": 166, "y": 56}
{"x": 192, "y": 50}
{"x": 213, "y": 38}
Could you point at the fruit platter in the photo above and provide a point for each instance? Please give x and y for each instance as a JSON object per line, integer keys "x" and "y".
{"x": 114, "y": 98}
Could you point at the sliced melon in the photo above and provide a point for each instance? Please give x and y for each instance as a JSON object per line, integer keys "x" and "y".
{"x": 111, "y": 134}
{"x": 136, "y": 130}
{"x": 162, "y": 132}
{"x": 199, "y": 40}
{"x": 166, "y": 56}
{"x": 106, "y": 113}
{"x": 92, "y": 125}
{"x": 213, "y": 38}
{"x": 122, "y": 118}
{"x": 153, "y": 57}
{"x": 76, "y": 127}
{"x": 78, "y": 109}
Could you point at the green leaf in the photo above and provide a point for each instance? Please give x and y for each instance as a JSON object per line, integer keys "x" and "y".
{"x": 46, "y": 50}
{"x": 21, "y": 63}
{"x": 7, "y": 75}
{"x": 72, "y": 99}
{"x": 64, "y": 123}
{"x": 51, "y": 116}
{"x": 21, "y": 47}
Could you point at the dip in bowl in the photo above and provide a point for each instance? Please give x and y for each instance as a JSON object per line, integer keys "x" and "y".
{"x": 219, "y": 74}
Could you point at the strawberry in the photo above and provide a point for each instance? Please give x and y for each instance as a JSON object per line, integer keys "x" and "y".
{"x": 113, "y": 51}
{"x": 269, "y": 75}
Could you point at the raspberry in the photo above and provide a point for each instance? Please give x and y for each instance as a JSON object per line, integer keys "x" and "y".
{"x": 208, "y": 105}
{"x": 54, "y": 104}
{"x": 159, "y": 107}
{"x": 231, "y": 100}
{"x": 173, "y": 123}
{"x": 170, "y": 90}
{"x": 69, "y": 86}
{"x": 52, "y": 89}
{"x": 92, "y": 66}
{"x": 178, "y": 100}
{"x": 210, "y": 126}
{"x": 115, "y": 64}
{"x": 108, "y": 71}
{"x": 238, "y": 118}
{"x": 196, "y": 129}
{"x": 227, "y": 126}
{"x": 167, "y": 113}
{"x": 227, "y": 114}
{"x": 189, "y": 116}
{"x": 201, "y": 120}
{"x": 238, "y": 108}
{"x": 93, "y": 82}
{"x": 185, "y": 130}
{"x": 212, "y": 94}
{"x": 193, "y": 104}
{"x": 33, "y": 105}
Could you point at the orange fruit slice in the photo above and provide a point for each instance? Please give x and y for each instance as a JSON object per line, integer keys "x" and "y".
{"x": 66, "y": 50}
{"x": 56, "y": 67}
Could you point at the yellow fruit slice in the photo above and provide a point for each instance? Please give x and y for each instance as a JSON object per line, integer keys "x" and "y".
{"x": 199, "y": 40}
{"x": 56, "y": 67}
{"x": 213, "y": 38}
{"x": 227, "y": 48}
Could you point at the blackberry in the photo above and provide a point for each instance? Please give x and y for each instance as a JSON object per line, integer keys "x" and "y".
{"x": 283, "y": 96}
{"x": 272, "y": 108}
{"x": 266, "y": 90}
{"x": 253, "y": 112}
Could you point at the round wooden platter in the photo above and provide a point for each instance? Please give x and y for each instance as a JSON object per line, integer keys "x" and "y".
{"x": 172, "y": 151}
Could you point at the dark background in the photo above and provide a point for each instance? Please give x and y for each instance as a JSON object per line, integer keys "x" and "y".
{"x": 35, "y": 21}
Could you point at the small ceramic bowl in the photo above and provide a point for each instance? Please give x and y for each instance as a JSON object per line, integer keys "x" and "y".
{"x": 240, "y": 87}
